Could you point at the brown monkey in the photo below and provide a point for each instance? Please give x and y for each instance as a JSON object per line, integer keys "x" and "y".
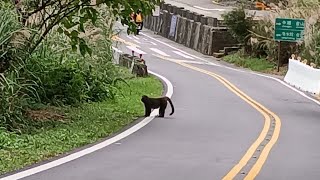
{"x": 154, "y": 103}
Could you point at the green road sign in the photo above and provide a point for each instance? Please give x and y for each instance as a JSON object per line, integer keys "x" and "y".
{"x": 289, "y": 29}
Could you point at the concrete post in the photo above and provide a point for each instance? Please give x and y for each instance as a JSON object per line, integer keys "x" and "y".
{"x": 204, "y": 20}
{"x": 196, "y": 35}
{"x": 190, "y": 29}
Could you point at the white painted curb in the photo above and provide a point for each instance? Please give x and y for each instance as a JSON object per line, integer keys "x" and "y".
{"x": 303, "y": 76}
{"x": 96, "y": 147}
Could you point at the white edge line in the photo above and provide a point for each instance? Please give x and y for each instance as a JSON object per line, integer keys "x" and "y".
{"x": 152, "y": 43}
{"x": 175, "y": 48}
{"x": 183, "y": 55}
{"x": 288, "y": 86}
{"x": 116, "y": 49}
{"x": 136, "y": 50}
{"x": 96, "y": 147}
{"x": 206, "y": 9}
{"x": 137, "y": 41}
{"x": 278, "y": 80}
{"x": 159, "y": 52}
{"x": 129, "y": 37}
{"x": 211, "y": 63}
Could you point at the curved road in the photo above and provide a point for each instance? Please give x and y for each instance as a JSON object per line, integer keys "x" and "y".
{"x": 228, "y": 123}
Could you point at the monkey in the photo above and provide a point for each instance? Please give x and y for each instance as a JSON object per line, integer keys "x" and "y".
{"x": 154, "y": 103}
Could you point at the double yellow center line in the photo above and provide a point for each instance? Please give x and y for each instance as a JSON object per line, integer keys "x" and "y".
{"x": 269, "y": 117}
{"x": 117, "y": 38}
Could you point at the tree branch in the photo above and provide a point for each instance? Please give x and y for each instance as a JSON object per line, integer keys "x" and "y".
{"x": 43, "y": 6}
{"x": 57, "y": 21}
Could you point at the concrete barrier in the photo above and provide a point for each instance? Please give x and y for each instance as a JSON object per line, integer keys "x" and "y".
{"x": 166, "y": 24}
{"x": 180, "y": 11}
{"x": 205, "y": 40}
{"x": 210, "y": 46}
{"x": 147, "y": 22}
{"x": 174, "y": 10}
{"x": 164, "y": 6}
{"x": 191, "y": 29}
{"x": 196, "y": 35}
{"x": 170, "y": 8}
{"x": 151, "y": 23}
{"x": 182, "y": 34}
{"x": 212, "y": 22}
{"x": 204, "y": 20}
{"x": 184, "y": 13}
{"x": 159, "y": 24}
{"x": 201, "y": 35}
{"x": 303, "y": 76}
{"x": 189, "y": 15}
{"x": 196, "y": 17}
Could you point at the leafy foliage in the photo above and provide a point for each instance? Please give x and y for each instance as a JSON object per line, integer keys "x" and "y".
{"x": 71, "y": 16}
{"x": 263, "y": 31}
{"x": 15, "y": 89}
{"x": 70, "y": 78}
{"x": 239, "y": 23}
{"x": 41, "y": 68}
{"x": 15, "y": 95}
{"x": 12, "y": 37}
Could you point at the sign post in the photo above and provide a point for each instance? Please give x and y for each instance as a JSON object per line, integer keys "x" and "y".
{"x": 290, "y": 30}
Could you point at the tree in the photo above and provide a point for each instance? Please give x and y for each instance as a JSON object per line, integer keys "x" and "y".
{"x": 239, "y": 24}
{"x": 70, "y": 17}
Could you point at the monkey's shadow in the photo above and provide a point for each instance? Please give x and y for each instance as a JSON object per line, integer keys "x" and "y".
{"x": 157, "y": 117}
{"x": 165, "y": 118}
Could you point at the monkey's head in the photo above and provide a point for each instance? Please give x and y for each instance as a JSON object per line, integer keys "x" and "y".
{"x": 144, "y": 98}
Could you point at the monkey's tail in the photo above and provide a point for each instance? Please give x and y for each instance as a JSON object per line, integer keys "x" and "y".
{"x": 172, "y": 107}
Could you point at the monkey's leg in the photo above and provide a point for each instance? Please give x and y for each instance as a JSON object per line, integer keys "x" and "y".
{"x": 148, "y": 111}
{"x": 162, "y": 111}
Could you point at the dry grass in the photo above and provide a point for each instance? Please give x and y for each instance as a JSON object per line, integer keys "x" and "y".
{"x": 45, "y": 114}
{"x": 303, "y": 9}
{"x": 282, "y": 71}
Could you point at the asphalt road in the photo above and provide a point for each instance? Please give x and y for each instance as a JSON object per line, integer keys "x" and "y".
{"x": 213, "y": 127}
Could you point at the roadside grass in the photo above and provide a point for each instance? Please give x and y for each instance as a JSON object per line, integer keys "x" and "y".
{"x": 254, "y": 64}
{"x": 81, "y": 126}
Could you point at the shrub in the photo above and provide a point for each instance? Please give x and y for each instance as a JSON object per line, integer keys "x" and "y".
{"x": 15, "y": 90}
{"x": 262, "y": 41}
{"x": 65, "y": 77}
{"x": 54, "y": 73}
{"x": 82, "y": 79}
{"x": 262, "y": 32}
{"x": 16, "y": 94}
{"x": 239, "y": 24}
